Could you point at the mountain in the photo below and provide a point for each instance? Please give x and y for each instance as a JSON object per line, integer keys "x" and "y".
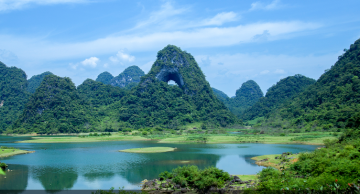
{"x": 104, "y": 77}
{"x": 333, "y": 101}
{"x": 13, "y": 94}
{"x": 129, "y": 78}
{"x": 153, "y": 102}
{"x": 55, "y": 107}
{"x": 246, "y": 96}
{"x": 277, "y": 95}
{"x": 34, "y": 81}
{"x": 220, "y": 95}
{"x": 99, "y": 94}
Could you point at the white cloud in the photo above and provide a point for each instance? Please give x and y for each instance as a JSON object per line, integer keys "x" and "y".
{"x": 279, "y": 71}
{"x": 6, "y": 5}
{"x": 92, "y": 62}
{"x": 122, "y": 56}
{"x": 31, "y": 48}
{"x": 264, "y": 72}
{"x": 258, "y": 5}
{"x": 220, "y": 19}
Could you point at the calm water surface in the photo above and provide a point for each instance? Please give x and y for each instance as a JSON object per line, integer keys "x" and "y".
{"x": 99, "y": 165}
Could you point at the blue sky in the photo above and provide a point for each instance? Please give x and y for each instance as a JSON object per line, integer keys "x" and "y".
{"x": 233, "y": 41}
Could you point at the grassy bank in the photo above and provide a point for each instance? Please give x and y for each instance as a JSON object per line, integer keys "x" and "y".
{"x": 295, "y": 138}
{"x": 52, "y": 139}
{"x": 276, "y": 160}
{"x": 149, "y": 150}
{"x": 197, "y": 136}
{"x": 12, "y": 152}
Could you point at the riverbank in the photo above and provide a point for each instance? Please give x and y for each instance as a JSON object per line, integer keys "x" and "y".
{"x": 149, "y": 150}
{"x": 79, "y": 139}
{"x": 12, "y": 152}
{"x": 294, "y": 138}
{"x": 277, "y": 161}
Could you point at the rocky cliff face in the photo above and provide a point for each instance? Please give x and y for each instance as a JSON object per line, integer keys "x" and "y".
{"x": 128, "y": 77}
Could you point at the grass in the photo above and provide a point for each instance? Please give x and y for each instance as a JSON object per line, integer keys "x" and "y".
{"x": 82, "y": 139}
{"x": 12, "y": 152}
{"x": 275, "y": 162}
{"x": 149, "y": 150}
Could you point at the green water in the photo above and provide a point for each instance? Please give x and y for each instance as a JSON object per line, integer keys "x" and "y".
{"x": 99, "y": 165}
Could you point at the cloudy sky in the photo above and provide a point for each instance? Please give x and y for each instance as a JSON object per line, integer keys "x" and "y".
{"x": 233, "y": 41}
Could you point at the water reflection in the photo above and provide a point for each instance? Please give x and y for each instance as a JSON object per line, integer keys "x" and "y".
{"x": 16, "y": 179}
{"x": 55, "y": 178}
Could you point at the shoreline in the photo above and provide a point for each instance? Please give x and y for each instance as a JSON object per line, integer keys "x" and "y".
{"x": 16, "y": 152}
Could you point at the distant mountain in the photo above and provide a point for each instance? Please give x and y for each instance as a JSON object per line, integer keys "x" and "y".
{"x": 220, "y": 95}
{"x": 246, "y": 96}
{"x": 333, "y": 101}
{"x": 13, "y": 94}
{"x": 129, "y": 78}
{"x": 55, "y": 107}
{"x": 99, "y": 94}
{"x": 104, "y": 77}
{"x": 277, "y": 95}
{"x": 34, "y": 81}
{"x": 155, "y": 103}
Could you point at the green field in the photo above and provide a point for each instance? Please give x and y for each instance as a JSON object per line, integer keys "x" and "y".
{"x": 12, "y": 152}
{"x": 149, "y": 150}
{"x": 53, "y": 139}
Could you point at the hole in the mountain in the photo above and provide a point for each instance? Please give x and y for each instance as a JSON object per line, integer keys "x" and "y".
{"x": 172, "y": 83}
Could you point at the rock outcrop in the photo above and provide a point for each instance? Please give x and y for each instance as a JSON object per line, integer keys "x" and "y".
{"x": 129, "y": 77}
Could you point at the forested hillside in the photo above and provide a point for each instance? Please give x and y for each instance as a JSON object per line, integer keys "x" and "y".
{"x": 98, "y": 94}
{"x": 35, "y": 81}
{"x": 333, "y": 101}
{"x": 277, "y": 95}
{"x": 13, "y": 94}
{"x": 220, "y": 95}
{"x": 104, "y": 77}
{"x": 129, "y": 78}
{"x": 154, "y": 102}
{"x": 246, "y": 96}
{"x": 55, "y": 107}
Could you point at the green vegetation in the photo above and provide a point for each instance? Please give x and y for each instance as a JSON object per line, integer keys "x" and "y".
{"x": 99, "y": 94}
{"x": 331, "y": 103}
{"x": 246, "y": 96}
{"x": 55, "y": 107}
{"x": 155, "y": 103}
{"x": 149, "y": 150}
{"x": 220, "y": 95}
{"x": 10, "y": 151}
{"x": 104, "y": 77}
{"x": 278, "y": 161}
{"x": 35, "y": 81}
{"x": 13, "y": 95}
{"x": 333, "y": 168}
{"x": 129, "y": 78}
{"x": 277, "y": 95}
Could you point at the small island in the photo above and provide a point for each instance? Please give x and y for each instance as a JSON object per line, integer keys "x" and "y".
{"x": 149, "y": 150}
{"x": 10, "y": 151}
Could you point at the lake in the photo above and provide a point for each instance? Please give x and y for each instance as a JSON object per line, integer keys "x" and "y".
{"x": 99, "y": 165}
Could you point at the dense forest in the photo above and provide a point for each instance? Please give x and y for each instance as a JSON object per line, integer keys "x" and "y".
{"x": 35, "y": 81}
{"x": 277, "y": 95}
{"x": 49, "y": 104}
{"x": 13, "y": 95}
{"x": 331, "y": 102}
{"x": 246, "y": 96}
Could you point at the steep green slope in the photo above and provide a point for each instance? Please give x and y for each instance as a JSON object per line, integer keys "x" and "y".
{"x": 104, "y": 77}
{"x": 54, "y": 107}
{"x": 34, "y": 81}
{"x": 278, "y": 94}
{"x": 246, "y": 96}
{"x": 99, "y": 94}
{"x": 129, "y": 78}
{"x": 220, "y": 95}
{"x": 153, "y": 102}
{"x": 13, "y": 94}
{"x": 333, "y": 101}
